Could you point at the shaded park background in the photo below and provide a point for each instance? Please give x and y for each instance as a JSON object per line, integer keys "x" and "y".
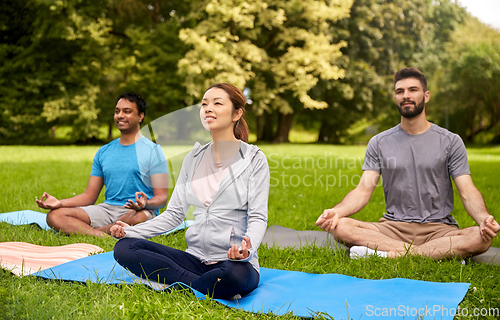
{"x": 320, "y": 67}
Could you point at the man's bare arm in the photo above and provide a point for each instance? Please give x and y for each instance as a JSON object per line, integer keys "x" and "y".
{"x": 476, "y": 208}
{"x": 88, "y": 197}
{"x": 353, "y": 202}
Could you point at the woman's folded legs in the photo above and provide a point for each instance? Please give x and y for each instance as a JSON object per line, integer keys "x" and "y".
{"x": 166, "y": 265}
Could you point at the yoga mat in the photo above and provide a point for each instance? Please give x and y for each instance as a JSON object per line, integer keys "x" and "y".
{"x": 22, "y": 258}
{"x": 24, "y": 217}
{"x": 99, "y": 268}
{"x": 184, "y": 224}
{"x": 281, "y": 237}
{"x": 303, "y": 294}
{"x": 491, "y": 256}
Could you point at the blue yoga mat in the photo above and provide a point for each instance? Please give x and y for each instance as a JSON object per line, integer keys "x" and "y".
{"x": 24, "y": 217}
{"x": 303, "y": 294}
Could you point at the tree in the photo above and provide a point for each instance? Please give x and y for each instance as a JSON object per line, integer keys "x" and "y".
{"x": 479, "y": 65}
{"x": 277, "y": 49}
{"x": 51, "y": 66}
{"x": 66, "y": 66}
{"x": 467, "y": 83}
{"x": 382, "y": 36}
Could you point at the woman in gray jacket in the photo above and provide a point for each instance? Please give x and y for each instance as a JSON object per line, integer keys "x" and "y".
{"x": 227, "y": 181}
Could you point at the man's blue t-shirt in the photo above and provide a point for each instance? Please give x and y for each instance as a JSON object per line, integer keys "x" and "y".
{"x": 127, "y": 169}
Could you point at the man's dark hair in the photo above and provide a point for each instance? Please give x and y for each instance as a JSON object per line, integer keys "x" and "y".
{"x": 137, "y": 99}
{"x": 411, "y": 72}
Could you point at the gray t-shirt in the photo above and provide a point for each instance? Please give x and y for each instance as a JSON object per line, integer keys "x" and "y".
{"x": 416, "y": 171}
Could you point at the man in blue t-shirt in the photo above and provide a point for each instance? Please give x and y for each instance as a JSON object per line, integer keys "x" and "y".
{"x": 134, "y": 171}
{"x": 417, "y": 160}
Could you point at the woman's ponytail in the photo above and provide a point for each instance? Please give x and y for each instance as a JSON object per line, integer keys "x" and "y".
{"x": 241, "y": 130}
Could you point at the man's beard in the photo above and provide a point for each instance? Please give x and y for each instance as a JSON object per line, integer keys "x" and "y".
{"x": 409, "y": 113}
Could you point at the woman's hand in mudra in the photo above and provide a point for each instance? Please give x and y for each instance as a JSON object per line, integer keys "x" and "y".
{"x": 235, "y": 254}
{"x": 117, "y": 230}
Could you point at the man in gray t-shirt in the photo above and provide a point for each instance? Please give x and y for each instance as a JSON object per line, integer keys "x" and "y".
{"x": 416, "y": 171}
{"x": 416, "y": 159}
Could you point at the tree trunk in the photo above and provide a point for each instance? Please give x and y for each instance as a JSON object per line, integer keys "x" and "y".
{"x": 496, "y": 122}
{"x": 470, "y": 135}
{"x": 323, "y": 131}
{"x": 328, "y": 133}
{"x": 260, "y": 126}
{"x": 267, "y": 130}
{"x": 284, "y": 125}
{"x": 110, "y": 131}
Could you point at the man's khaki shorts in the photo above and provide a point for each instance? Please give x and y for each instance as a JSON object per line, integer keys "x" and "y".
{"x": 412, "y": 232}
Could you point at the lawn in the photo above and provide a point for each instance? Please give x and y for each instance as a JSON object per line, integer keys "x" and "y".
{"x": 305, "y": 180}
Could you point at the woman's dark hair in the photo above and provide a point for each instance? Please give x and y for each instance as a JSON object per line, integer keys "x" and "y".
{"x": 238, "y": 99}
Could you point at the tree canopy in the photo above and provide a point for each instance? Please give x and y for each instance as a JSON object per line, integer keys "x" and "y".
{"x": 66, "y": 61}
{"x": 469, "y": 82}
{"x": 323, "y": 65}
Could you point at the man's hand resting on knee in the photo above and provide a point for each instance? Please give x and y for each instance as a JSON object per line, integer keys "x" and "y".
{"x": 353, "y": 202}
{"x": 489, "y": 228}
{"x": 328, "y": 220}
{"x": 48, "y": 202}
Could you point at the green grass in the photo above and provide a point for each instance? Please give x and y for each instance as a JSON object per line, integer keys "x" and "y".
{"x": 306, "y": 179}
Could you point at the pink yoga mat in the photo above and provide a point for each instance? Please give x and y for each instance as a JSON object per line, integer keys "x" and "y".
{"x": 23, "y": 258}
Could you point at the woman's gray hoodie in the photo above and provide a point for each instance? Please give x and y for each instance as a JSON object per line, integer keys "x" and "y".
{"x": 238, "y": 207}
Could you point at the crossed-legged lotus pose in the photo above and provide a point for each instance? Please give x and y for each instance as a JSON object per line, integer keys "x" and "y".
{"x": 417, "y": 160}
{"x": 130, "y": 167}
{"x": 227, "y": 181}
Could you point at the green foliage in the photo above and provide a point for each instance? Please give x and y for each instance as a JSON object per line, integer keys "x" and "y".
{"x": 52, "y": 69}
{"x": 480, "y": 65}
{"x": 464, "y": 78}
{"x": 382, "y": 36}
{"x": 69, "y": 63}
{"x": 320, "y": 65}
{"x": 477, "y": 63}
{"x": 147, "y": 36}
{"x": 444, "y": 17}
{"x": 277, "y": 49}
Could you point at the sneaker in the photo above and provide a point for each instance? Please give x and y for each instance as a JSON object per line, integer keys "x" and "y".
{"x": 357, "y": 252}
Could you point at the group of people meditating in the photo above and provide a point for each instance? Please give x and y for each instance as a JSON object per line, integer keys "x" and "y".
{"x": 227, "y": 181}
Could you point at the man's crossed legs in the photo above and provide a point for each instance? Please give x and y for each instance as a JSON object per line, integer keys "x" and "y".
{"x": 94, "y": 219}
{"x": 394, "y": 239}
